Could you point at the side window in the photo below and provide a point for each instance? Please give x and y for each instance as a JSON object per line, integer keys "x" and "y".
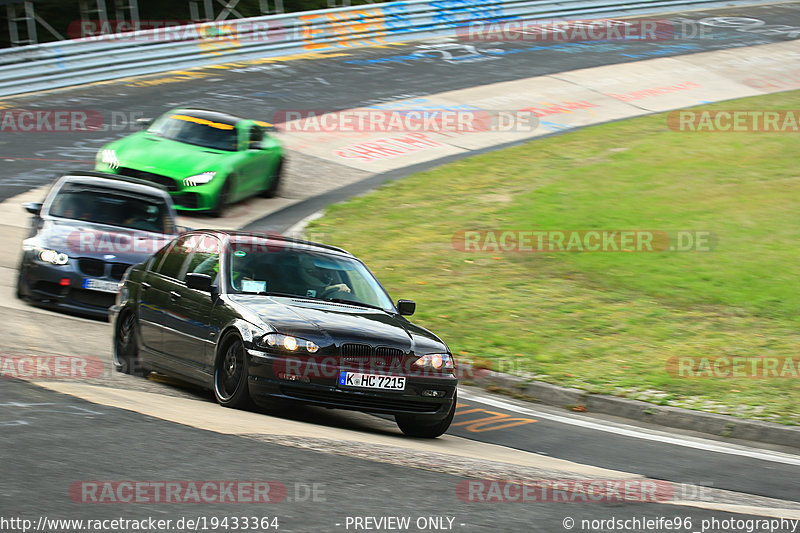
{"x": 256, "y": 135}
{"x": 158, "y": 257}
{"x": 205, "y": 256}
{"x": 172, "y": 264}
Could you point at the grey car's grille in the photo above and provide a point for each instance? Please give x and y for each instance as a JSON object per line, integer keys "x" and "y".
{"x": 92, "y": 267}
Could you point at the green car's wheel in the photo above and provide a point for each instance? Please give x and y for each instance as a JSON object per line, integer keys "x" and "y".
{"x": 274, "y": 181}
{"x": 223, "y": 198}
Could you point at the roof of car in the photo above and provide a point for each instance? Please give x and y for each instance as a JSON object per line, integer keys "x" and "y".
{"x": 214, "y": 116}
{"x": 116, "y": 181}
{"x": 276, "y": 237}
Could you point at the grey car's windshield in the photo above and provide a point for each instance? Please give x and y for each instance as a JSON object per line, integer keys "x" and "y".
{"x": 107, "y": 206}
{"x": 258, "y": 269}
{"x": 198, "y": 131}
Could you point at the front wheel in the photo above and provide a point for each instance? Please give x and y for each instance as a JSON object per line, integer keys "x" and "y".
{"x": 223, "y": 198}
{"x": 230, "y": 375}
{"x": 126, "y": 350}
{"x": 271, "y": 188}
{"x": 419, "y": 426}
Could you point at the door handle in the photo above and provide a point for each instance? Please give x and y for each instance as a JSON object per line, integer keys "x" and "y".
{"x": 174, "y": 295}
{"x": 145, "y": 285}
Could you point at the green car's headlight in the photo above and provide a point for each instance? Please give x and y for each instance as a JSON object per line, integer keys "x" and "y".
{"x": 109, "y": 157}
{"x": 199, "y": 179}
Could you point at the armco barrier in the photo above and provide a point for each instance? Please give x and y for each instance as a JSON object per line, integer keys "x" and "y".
{"x": 79, "y": 61}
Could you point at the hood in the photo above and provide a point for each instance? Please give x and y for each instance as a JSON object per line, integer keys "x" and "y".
{"x": 144, "y": 151}
{"x": 85, "y": 239}
{"x": 335, "y": 323}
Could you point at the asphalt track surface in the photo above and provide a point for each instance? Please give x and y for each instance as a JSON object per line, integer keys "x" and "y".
{"x": 53, "y": 447}
{"x": 355, "y": 77}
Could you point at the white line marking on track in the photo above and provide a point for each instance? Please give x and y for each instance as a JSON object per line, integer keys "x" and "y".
{"x": 640, "y": 433}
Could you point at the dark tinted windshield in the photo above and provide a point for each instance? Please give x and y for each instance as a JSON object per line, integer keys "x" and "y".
{"x": 108, "y": 206}
{"x": 256, "y": 268}
{"x": 198, "y": 131}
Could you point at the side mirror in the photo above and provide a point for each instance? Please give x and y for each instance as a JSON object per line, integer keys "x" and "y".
{"x": 406, "y": 307}
{"x": 144, "y": 122}
{"x": 34, "y": 208}
{"x": 200, "y": 282}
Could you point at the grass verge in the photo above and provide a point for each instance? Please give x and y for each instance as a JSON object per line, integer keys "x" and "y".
{"x": 605, "y": 322}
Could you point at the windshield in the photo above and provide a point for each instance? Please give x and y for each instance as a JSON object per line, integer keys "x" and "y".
{"x": 197, "y": 131}
{"x": 303, "y": 274}
{"x": 103, "y": 206}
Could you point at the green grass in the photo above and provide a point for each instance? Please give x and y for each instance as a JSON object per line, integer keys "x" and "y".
{"x": 605, "y": 322}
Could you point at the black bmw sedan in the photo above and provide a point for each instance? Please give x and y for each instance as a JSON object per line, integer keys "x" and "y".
{"x": 90, "y": 228}
{"x": 268, "y": 319}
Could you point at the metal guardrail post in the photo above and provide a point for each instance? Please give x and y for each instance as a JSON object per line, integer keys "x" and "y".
{"x": 28, "y": 18}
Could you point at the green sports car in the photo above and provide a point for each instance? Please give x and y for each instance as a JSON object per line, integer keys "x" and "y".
{"x": 206, "y": 160}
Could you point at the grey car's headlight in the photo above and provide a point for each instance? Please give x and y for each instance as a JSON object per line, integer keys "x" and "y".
{"x": 199, "y": 179}
{"x": 109, "y": 157}
{"x": 287, "y": 342}
{"x": 51, "y": 256}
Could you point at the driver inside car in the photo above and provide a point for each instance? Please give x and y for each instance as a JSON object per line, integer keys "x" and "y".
{"x": 318, "y": 281}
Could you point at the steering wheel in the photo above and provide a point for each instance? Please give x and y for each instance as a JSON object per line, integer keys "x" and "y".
{"x": 333, "y": 290}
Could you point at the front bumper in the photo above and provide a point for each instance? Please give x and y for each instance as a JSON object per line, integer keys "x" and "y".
{"x": 42, "y": 285}
{"x": 320, "y": 387}
{"x": 197, "y": 198}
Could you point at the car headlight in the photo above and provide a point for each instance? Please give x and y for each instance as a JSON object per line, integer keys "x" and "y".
{"x": 436, "y": 361}
{"x": 199, "y": 179}
{"x": 287, "y": 342}
{"x": 51, "y": 256}
{"x": 109, "y": 157}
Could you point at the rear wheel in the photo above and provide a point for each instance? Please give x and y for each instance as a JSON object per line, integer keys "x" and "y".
{"x": 126, "y": 350}
{"x": 274, "y": 182}
{"x": 230, "y": 375}
{"x": 420, "y": 426}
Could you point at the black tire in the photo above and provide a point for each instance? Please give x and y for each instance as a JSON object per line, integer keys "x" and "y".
{"x": 230, "y": 375}
{"x": 126, "y": 348}
{"x": 418, "y": 426}
{"x": 20, "y": 285}
{"x": 223, "y": 199}
{"x": 274, "y": 184}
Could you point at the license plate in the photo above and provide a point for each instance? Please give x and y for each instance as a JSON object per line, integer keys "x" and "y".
{"x": 372, "y": 381}
{"x": 100, "y": 285}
